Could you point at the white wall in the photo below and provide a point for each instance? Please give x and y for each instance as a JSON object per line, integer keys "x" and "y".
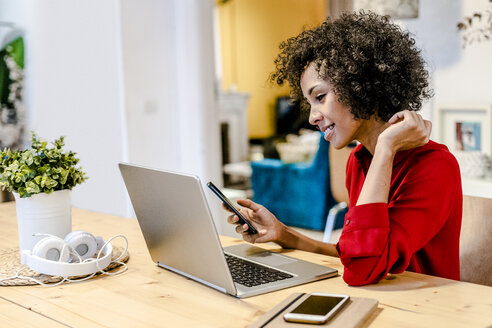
{"x": 457, "y": 75}
{"x": 168, "y": 60}
{"x": 468, "y": 79}
{"x": 72, "y": 88}
{"x": 149, "y": 62}
{"x": 124, "y": 80}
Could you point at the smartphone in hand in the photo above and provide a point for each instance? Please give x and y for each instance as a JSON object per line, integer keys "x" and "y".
{"x": 228, "y": 204}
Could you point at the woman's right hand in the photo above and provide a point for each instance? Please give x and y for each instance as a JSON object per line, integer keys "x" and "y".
{"x": 407, "y": 130}
{"x": 268, "y": 226}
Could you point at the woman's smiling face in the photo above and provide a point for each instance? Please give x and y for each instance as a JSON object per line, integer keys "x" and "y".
{"x": 332, "y": 118}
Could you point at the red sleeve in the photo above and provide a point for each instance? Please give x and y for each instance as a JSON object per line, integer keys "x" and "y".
{"x": 380, "y": 238}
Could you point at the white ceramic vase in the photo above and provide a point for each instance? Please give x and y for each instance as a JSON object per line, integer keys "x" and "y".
{"x": 43, "y": 213}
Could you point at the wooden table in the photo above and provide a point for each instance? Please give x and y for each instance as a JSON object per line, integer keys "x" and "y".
{"x": 149, "y": 296}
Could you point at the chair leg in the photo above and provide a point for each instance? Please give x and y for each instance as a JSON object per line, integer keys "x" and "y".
{"x": 330, "y": 220}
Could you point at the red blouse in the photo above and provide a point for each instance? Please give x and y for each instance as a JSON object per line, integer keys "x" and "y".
{"x": 418, "y": 230}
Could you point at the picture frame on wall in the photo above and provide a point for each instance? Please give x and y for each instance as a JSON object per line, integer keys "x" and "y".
{"x": 396, "y": 9}
{"x": 465, "y": 128}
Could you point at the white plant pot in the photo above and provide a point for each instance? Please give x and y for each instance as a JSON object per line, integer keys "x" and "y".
{"x": 43, "y": 213}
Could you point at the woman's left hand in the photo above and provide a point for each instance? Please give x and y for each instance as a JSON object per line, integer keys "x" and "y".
{"x": 407, "y": 130}
{"x": 268, "y": 226}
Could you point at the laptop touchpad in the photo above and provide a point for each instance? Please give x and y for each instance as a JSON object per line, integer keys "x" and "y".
{"x": 270, "y": 258}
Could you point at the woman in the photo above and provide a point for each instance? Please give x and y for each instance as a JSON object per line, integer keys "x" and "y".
{"x": 363, "y": 79}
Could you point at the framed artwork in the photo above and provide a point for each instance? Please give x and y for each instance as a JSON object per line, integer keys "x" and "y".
{"x": 465, "y": 128}
{"x": 397, "y": 9}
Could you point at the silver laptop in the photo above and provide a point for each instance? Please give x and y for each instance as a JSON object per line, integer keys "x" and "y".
{"x": 177, "y": 225}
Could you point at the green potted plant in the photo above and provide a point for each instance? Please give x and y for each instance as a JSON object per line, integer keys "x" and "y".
{"x": 41, "y": 179}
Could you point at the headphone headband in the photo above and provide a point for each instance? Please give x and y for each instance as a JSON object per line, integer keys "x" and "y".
{"x": 64, "y": 269}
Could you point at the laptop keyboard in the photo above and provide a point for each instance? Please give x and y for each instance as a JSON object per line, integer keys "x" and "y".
{"x": 252, "y": 274}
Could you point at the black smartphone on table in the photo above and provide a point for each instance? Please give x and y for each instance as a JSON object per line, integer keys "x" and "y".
{"x": 230, "y": 206}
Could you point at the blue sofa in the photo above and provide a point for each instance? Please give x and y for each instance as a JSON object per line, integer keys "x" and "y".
{"x": 298, "y": 194}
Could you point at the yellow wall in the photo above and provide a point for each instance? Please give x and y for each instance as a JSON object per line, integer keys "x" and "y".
{"x": 251, "y": 31}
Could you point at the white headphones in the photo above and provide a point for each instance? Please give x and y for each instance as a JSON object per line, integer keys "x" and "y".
{"x": 72, "y": 256}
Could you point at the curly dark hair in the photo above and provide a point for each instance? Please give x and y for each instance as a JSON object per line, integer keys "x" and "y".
{"x": 373, "y": 65}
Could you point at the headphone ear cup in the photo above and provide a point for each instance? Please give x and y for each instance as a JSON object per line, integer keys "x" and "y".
{"x": 52, "y": 248}
{"x": 83, "y": 243}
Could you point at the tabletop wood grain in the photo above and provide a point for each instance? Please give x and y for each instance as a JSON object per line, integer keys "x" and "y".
{"x": 149, "y": 296}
